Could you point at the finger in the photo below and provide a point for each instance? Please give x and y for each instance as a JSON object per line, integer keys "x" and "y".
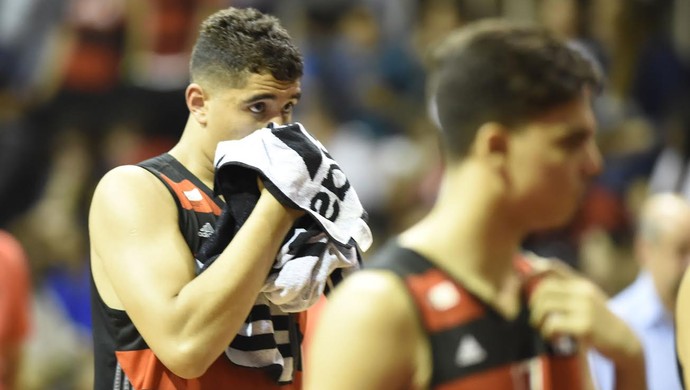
{"x": 562, "y": 270}
{"x": 557, "y": 323}
{"x": 554, "y": 296}
{"x": 541, "y": 265}
{"x": 552, "y": 287}
{"x": 544, "y": 304}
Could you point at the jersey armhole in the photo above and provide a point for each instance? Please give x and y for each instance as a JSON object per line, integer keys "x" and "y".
{"x": 401, "y": 262}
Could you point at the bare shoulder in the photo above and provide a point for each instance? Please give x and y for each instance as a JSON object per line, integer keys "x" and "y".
{"x": 683, "y": 324}
{"x": 127, "y": 181}
{"x": 365, "y": 320}
{"x": 133, "y": 224}
{"x": 129, "y": 208}
{"x": 376, "y": 291}
{"x": 128, "y": 192}
{"x": 683, "y": 302}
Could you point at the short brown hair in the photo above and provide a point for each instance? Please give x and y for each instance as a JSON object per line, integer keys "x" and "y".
{"x": 497, "y": 71}
{"x": 234, "y": 42}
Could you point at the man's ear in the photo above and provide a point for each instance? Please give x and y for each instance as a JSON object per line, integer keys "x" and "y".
{"x": 195, "y": 96}
{"x": 491, "y": 142}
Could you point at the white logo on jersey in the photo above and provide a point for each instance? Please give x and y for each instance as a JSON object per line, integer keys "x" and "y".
{"x": 469, "y": 352}
{"x": 193, "y": 195}
{"x": 564, "y": 346}
{"x": 443, "y": 296}
{"x": 206, "y": 231}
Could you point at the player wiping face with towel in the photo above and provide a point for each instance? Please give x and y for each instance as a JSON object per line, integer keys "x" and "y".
{"x": 159, "y": 321}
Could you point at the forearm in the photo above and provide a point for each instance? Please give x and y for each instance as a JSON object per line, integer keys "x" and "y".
{"x": 631, "y": 376}
{"x": 627, "y": 355}
{"x": 12, "y": 354}
{"x": 213, "y": 306}
{"x": 629, "y": 366}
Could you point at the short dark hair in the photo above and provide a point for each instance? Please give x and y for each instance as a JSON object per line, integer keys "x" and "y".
{"x": 497, "y": 71}
{"x": 234, "y": 42}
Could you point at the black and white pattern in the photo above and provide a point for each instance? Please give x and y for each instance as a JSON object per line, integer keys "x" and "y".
{"x": 322, "y": 248}
{"x": 267, "y": 340}
{"x": 307, "y": 265}
{"x": 298, "y": 170}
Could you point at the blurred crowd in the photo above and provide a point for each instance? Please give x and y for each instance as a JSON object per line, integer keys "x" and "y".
{"x": 86, "y": 85}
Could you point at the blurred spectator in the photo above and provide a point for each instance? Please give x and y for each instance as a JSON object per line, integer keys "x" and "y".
{"x": 662, "y": 247}
{"x": 670, "y": 171}
{"x": 53, "y": 232}
{"x": 15, "y": 300}
{"x": 155, "y": 68}
{"x": 26, "y": 48}
{"x": 27, "y": 71}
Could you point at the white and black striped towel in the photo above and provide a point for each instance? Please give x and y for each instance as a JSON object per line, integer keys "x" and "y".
{"x": 321, "y": 249}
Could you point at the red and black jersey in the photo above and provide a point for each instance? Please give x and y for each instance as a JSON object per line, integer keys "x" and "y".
{"x": 122, "y": 358}
{"x": 472, "y": 345}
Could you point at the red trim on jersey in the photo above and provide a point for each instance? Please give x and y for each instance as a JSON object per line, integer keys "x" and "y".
{"x": 146, "y": 372}
{"x": 466, "y": 309}
{"x": 203, "y": 205}
{"x": 541, "y": 372}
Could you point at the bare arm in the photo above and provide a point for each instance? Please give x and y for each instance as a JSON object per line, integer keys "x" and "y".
{"x": 141, "y": 263}
{"x": 567, "y": 303}
{"x": 683, "y": 326}
{"x": 366, "y": 338}
{"x": 12, "y": 355}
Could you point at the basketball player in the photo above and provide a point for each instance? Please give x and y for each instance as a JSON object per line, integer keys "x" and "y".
{"x": 156, "y": 325}
{"x": 451, "y": 303}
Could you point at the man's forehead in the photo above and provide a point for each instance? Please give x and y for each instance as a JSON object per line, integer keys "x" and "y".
{"x": 267, "y": 80}
{"x": 576, "y": 115}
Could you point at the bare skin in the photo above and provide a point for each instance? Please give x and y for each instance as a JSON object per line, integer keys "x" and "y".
{"x": 667, "y": 256}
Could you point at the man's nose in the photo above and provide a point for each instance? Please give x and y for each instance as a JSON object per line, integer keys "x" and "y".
{"x": 593, "y": 160}
{"x": 277, "y": 120}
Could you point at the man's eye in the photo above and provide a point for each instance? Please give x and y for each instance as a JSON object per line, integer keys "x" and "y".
{"x": 257, "y": 108}
{"x": 573, "y": 141}
{"x": 288, "y": 108}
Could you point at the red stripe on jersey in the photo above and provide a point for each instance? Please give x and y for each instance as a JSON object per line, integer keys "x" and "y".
{"x": 146, "y": 372}
{"x": 538, "y": 373}
{"x": 437, "y": 318}
{"x": 191, "y": 197}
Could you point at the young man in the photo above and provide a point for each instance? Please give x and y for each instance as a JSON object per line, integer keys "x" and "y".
{"x": 156, "y": 325}
{"x": 452, "y": 305}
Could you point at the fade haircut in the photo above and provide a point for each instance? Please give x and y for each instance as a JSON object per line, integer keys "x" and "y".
{"x": 234, "y": 43}
{"x": 496, "y": 71}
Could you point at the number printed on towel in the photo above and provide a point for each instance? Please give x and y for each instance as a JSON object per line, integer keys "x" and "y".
{"x": 321, "y": 202}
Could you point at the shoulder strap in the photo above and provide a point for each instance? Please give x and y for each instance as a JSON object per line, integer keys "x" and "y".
{"x": 402, "y": 261}
{"x": 197, "y": 207}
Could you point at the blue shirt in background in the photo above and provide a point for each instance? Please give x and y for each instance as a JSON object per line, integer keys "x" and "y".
{"x": 641, "y": 308}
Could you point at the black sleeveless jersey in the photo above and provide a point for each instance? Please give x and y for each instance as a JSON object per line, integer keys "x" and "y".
{"x": 472, "y": 345}
{"x": 122, "y": 358}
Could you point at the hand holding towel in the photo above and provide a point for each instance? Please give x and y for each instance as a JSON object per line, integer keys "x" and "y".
{"x": 300, "y": 173}
{"x": 321, "y": 249}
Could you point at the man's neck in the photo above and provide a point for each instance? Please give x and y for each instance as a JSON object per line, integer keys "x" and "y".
{"x": 467, "y": 235}
{"x": 192, "y": 155}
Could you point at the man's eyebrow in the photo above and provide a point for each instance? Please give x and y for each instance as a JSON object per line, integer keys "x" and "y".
{"x": 269, "y": 96}
{"x": 580, "y": 130}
